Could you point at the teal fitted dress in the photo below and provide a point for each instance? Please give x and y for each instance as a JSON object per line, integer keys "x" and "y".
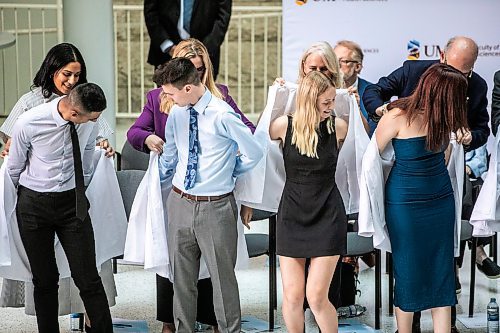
{"x": 420, "y": 217}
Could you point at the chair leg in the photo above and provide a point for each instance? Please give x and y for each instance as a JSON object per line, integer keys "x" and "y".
{"x": 115, "y": 266}
{"x": 387, "y": 268}
{"x": 472, "y": 276}
{"x": 391, "y": 284}
{"x": 273, "y": 298}
{"x": 493, "y": 248}
{"x": 378, "y": 287}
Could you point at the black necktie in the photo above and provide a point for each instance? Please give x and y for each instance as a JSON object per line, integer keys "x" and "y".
{"x": 81, "y": 200}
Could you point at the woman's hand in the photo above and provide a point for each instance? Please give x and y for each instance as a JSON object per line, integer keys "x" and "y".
{"x": 464, "y": 136}
{"x": 104, "y": 144}
{"x": 154, "y": 143}
{"x": 6, "y": 148}
{"x": 246, "y": 215}
{"x": 279, "y": 80}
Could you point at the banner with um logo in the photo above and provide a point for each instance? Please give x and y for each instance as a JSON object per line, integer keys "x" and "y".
{"x": 391, "y": 31}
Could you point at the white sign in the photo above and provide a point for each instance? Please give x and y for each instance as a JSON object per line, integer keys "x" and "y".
{"x": 390, "y": 30}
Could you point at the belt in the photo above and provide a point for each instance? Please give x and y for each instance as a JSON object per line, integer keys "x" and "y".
{"x": 200, "y": 197}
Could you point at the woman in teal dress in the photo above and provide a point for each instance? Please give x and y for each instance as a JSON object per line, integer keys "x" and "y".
{"x": 419, "y": 202}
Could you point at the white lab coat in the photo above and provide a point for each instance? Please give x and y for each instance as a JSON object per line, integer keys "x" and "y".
{"x": 261, "y": 188}
{"x": 375, "y": 170}
{"x": 106, "y": 211}
{"x": 146, "y": 242}
{"x": 485, "y": 217}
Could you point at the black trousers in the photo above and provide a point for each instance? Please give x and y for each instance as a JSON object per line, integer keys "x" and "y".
{"x": 165, "y": 298}
{"x": 40, "y": 217}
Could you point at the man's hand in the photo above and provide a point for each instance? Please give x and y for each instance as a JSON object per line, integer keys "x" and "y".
{"x": 246, "y": 215}
{"x": 104, "y": 144}
{"x": 154, "y": 143}
{"x": 171, "y": 50}
{"x": 381, "y": 110}
{"x": 354, "y": 91}
{"x": 464, "y": 136}
{"x": 6, "y": 148}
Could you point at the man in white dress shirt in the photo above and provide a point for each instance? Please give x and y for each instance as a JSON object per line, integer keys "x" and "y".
{"x": 206, "y": 148}
{"x": 50, "y": 163}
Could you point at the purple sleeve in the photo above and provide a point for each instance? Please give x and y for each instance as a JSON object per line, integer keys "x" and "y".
{"x": 229, "y": 100}
{"x": 144, "y": 125}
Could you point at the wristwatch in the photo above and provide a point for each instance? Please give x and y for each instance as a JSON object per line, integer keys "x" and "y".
{"x": 384, "y": 108}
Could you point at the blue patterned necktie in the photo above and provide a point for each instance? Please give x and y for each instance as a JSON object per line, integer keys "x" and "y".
{"x": 194, "y": 147}
{"x": 186, "y": 15}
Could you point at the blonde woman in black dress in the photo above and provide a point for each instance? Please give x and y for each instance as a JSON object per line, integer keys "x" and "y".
{"x": 311, "y": 217}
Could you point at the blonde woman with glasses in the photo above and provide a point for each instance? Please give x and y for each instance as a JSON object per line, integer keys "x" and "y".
{"x": 148, "y": 134}
{"x": 311, "y": 218}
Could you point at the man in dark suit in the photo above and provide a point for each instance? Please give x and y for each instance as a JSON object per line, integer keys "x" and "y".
{"x": 460, "y": 53}
{"x": 171, "y": 21}
{"x": 495, "y": 103}
{"x": 350, "y": 58}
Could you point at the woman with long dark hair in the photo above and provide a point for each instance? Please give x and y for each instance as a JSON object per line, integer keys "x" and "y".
{"x": 419, "y": 201}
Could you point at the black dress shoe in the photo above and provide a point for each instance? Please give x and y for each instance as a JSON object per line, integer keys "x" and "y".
{"x": 489, "y": 268}
{"x": 454, "y": 329}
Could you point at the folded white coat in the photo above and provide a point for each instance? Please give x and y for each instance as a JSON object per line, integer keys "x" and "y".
{"x": 106, "y": 211}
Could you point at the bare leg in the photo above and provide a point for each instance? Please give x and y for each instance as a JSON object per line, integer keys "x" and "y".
{"x": 317, "y": 286}
{"x": 480, "y": 254}
{"x": 293, "y": 280}
{"x": 404, "y": 320}
{"x": 441, "y": 319}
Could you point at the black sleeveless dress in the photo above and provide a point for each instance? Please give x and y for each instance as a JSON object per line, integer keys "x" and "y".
{"x": 311, "y": 218}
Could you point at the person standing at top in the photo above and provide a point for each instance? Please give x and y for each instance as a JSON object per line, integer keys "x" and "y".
{"x": 171, "y": 21}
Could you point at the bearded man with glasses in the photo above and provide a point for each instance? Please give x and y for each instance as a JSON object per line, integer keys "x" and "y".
{"x": 350, "y": 57}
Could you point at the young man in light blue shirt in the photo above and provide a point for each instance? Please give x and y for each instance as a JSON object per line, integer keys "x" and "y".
{"x": 206, "y": 148}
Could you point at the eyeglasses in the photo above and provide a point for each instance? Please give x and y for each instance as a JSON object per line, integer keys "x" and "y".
{"x": 347, "y": 62}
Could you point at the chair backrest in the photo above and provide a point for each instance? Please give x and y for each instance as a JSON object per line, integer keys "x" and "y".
{"x": 129, "y": 181}
{"x": 132, "y": 159}
{"x": 257, "y": 244}
{"x": 358, "y": 245}
{"x": 465, "y": 230}
{"x": 258, "y": 215}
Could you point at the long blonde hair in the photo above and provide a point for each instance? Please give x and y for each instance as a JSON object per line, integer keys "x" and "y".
{"x": 191, "y": 48}
{"x": 325, "y": 51}
{"x": 306, "y": 118}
